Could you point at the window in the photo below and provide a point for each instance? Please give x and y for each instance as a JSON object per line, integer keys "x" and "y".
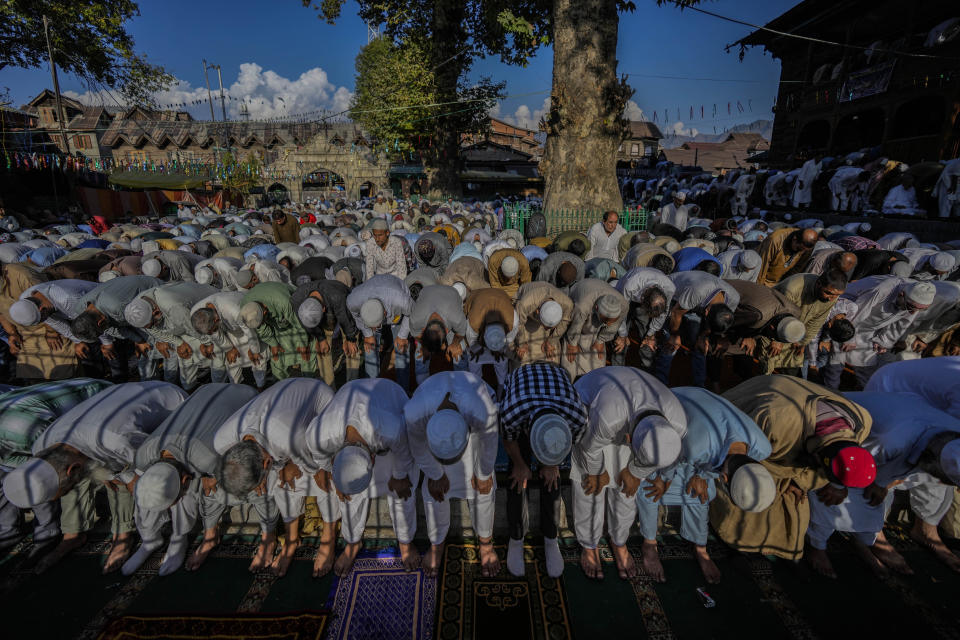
{"x": 83, "y": 142}
{"x": 648, "y": 152}
{"x": 635, "y": 149}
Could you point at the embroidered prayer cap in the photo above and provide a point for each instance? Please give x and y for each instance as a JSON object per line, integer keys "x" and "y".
{"x": 655, "y": 443}
{"x": 752, "y": 488}
{"x": 447, "y": 434}
{"x": 550, "y": 439}
{"x": 310, "y": 312}
{"x": 352, "y": 470}
{"x": 551, "y": 313}
{"x": 790, "y": 330}
{"x": 158, "y": 488}
{"x": 151, "y": 267}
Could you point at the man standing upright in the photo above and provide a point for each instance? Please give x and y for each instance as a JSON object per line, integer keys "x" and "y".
{"x": 605, "y": 237}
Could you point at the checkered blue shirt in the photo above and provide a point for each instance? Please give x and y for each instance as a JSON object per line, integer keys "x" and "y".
{"x": 537, "y": 387}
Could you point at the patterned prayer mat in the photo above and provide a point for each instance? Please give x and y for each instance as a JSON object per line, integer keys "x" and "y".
{"x": 471, "y": 606}
{"x": 378, "y": 599}
{"x": 304, "y": 626}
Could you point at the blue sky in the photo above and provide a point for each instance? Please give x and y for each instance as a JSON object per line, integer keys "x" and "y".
{"x": 284, "y": 60}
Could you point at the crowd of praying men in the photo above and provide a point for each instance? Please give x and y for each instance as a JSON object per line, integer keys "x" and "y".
{"x": 343, "y": 352}
{"x": 862, "y": 183}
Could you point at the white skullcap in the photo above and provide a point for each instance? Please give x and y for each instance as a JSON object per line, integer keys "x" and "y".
{"x": 494, "y": 337}
{"x": 251, "y": 314}
{"x": 655, "y": 443}
{"x": 25, "y": 313}
{"x": 950, "y": 460}
{"x": 609, "y": 306}
{"x": 354, "y": 251}
{"x": 509, "y": 267}
{"x": 901, "y": 268}
{"x": 379, "y": 224}
{"x": 671, "y": 246}
{"x": 550, "y": 439}
{"x": 749, "y": 259}
{"x": 447, "y": 434}
{"x": 149, "y": 246}
{"x": 551, "y": 313}
{"x": 372, "y": 313}
{"x": 158, "y": 488}
{"x": 243, "y": 277}
{"x": 151, "y": 267}
{"x": 942, "y": 262}
{"x": 922, "y": 293}
{"x": 352, "y": 470}
{"x": 138, "y": 313}
{"x": 461, "y": 289}
{"x": 310, "y": 312}
{"x": 204, "y": 274}
{"x": 752, "y": 488}
{"x": 34, "y": 482}
{"x": 790, "y": 330}
{"x": 680, "y": 195}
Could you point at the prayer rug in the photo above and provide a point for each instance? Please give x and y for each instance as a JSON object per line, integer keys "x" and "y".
{"x": 379, "y": 599}
{"x": 301, "y": 626}
{"x": 472, "y": 606}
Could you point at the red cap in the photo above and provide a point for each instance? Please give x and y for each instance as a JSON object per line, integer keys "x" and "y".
{"x": 854, "y": 467}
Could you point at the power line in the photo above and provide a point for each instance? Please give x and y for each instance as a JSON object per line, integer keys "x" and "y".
{"x": 797, "y": 36}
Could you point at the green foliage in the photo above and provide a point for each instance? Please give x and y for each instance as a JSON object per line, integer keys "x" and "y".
{"x": 89, "y": 40}
{"x": 240, "y": 177}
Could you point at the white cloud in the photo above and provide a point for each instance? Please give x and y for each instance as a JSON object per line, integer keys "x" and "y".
{"x": 633, "y": 111}
{"x": 524, "y": 116}
{"x": 265, "y": 93}
{"x": 680, "y": 131}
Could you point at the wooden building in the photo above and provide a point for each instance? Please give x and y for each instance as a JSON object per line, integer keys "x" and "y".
{"x": 638, "y": 153}
{"x": 892, "y": 82}
{"x": 733, "y": 152}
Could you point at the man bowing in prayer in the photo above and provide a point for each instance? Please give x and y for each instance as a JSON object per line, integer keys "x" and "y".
{"x": 815, "y": 437}
{"x": 452, "y": 428}
{"x": 359, "y": 451}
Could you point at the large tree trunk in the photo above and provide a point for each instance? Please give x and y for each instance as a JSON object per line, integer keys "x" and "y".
{"x": 584, "y": 126}
{"x": 442, "y": 166}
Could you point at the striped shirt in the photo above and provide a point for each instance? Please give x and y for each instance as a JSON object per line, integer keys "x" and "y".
{"x": 536, "y": 388}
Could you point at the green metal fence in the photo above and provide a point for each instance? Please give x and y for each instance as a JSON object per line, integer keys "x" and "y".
{"x": 515, "y": 216}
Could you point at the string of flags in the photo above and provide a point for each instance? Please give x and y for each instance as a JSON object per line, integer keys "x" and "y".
{"x": 732, "y": 106}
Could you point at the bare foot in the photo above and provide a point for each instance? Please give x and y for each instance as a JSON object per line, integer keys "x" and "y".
{"x": 282, "y": 562}
{"x": 886, "y": 554}
{"x": 873, "y": 561}
{"x": 67, "y": 545}
{"x": 820, "y": 562}
{"x": 710, "y": 570}
{"x": 489, "y": 560}
{"x": 207, "y": 545}
{"x": 626, "y": 567}
{"x": 120, "y": 550}
{"x": 651, "y": 561}
{"x": 264, "y": 555}
{"x": 345, "y": 560}
{"x": 928, "y": 536}
{"x": 324, "y": 560}
{"x": 409, "y": 556}
{"x": 431, "y": 560}
{"x": 590, "y": 563}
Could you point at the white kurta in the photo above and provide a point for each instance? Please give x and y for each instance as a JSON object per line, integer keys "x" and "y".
{"x": 803, "y": 187}
{"x": 934, "y": 379}
{"x": 604, "y": 245}
{"x": 877, "y": 319}
{"x": 636, "y": 282}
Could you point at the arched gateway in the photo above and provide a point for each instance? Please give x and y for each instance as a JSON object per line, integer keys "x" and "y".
{"x": 355, "y": 165}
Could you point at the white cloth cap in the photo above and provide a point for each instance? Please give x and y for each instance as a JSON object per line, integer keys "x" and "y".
{"x": 790, "y": 330}
{"x": 25, "y": 313}
{"x": 34, "y": 482}
{"x": 550, "y": 439}
{"x": 509, "y": 267}
{"x": 354, "y": 251}
{"x": 204, "y": 274}
{"x": 922, "y": 293}
{"x": 310, "y": 312}
{"x": 372, "y": 313}
{"x": 494, "y": 337}
{"x": 104, "y": 276}
{"x": 749, "y": 260}
{"x": 680, "y": 195}
{"x": 447, "y": 434}
{"x": 942, "y": 262}
{"x": 149, "y": 246}
{"x": 901, "y": 268}
{"x": 352, "y": 470}
{"x": 138, "y": 313}
{"x": 243, "y": 277}
{"x": 752, "y": 488}
{"x": 251, "y": 314}
{"x": 655, "y": 443}
{"x": 551, "y": 313}
{"x": 949, "y": 460}
{"x": 461, "y": 289}
{"x": 151, "y": 267}
{"x": 609, "y": 306}
{"x": 158, "y": 488}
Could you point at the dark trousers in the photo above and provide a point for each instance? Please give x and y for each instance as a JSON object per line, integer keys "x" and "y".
{"x": 549, "y": 502}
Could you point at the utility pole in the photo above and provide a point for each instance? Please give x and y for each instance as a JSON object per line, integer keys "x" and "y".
{"x": 213, "y": 118}
{"x": 60, "y": 113}
{"x": 223, "y": 106}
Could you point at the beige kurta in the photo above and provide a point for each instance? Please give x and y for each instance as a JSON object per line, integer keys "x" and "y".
{"x": 777, "y": 263}
{"x": 532, "y": 334}
{"x": 497, "y": 279}
{"x": 785, "y": 408}
{"x": 800, "y": 289}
